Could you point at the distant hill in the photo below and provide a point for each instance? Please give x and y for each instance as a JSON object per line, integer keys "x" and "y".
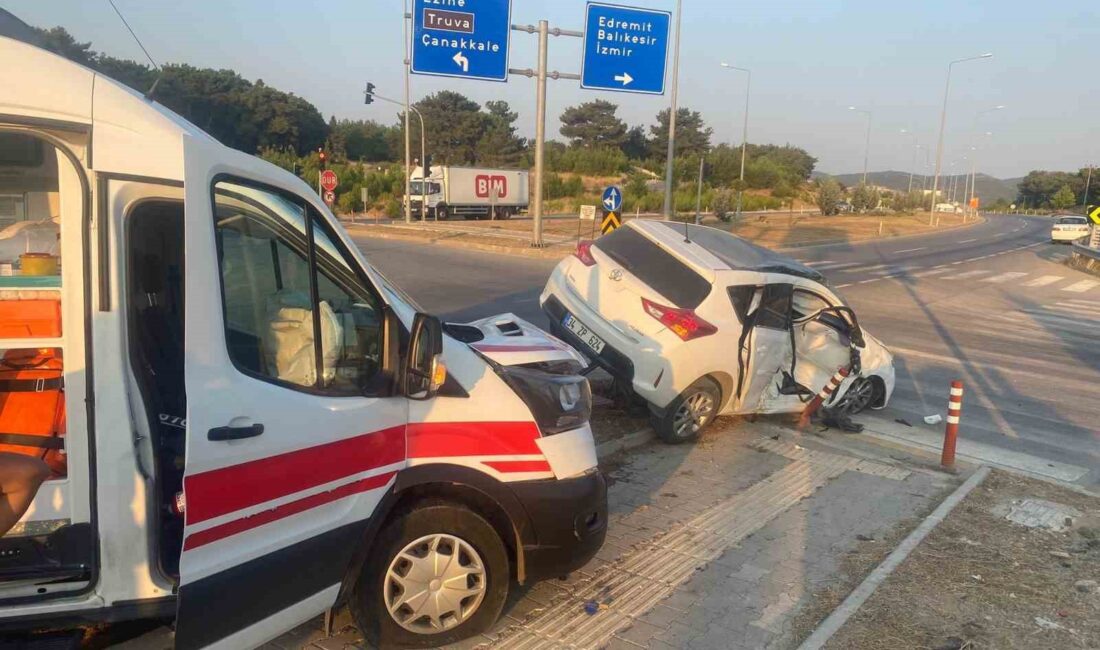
{"x": 988, "y": 188}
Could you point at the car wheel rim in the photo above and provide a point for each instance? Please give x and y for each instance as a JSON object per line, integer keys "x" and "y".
{"x": 434, "y": 584}
{"x": 858, "y": 397}
{"x": 694, "y": 413}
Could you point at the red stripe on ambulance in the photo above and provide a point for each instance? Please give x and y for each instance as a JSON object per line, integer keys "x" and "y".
{"x": 446, "y": 439}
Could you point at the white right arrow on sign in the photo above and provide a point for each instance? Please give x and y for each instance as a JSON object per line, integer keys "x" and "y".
{"x": 625, "y": 78}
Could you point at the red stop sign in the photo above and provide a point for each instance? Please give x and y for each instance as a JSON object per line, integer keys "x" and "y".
{"x": 328, "y": 180}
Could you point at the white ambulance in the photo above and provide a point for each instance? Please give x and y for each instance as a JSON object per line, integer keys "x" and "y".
{"x": 215, "y": 459}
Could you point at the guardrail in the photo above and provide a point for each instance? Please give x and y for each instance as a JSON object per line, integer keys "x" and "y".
{"x": 1085, "y": 259}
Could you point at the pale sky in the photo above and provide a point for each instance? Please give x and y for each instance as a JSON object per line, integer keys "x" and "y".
{"x": 811, "y": 59}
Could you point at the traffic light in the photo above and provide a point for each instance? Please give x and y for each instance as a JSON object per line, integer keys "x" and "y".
{"x": 322, "y": 156}
{"x": 369, "y": 94}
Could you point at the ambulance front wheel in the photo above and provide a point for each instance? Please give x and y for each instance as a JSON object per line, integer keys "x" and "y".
{"x": 435, "y": 576}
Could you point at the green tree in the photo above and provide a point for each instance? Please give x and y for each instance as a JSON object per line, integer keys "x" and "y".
{"x": 499, "y": 146}
{"x": 635, "y": 144}
{"x": 593, "y": 124}
{"x": 1064, "y": 198}
{"x": 865, "y": 197}
{"x": 1038, "y": 188}
{"x": 692, "y": 134}
{"x": 828, "y": 197}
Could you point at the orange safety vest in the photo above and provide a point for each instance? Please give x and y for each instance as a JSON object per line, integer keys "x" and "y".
{"x": 32, "y": 405}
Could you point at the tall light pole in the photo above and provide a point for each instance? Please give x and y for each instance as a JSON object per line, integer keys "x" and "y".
{"x": 913, "y": 165}
{"x": 744, "y": 132}
{"x": 408, "y": 140}
{"x": 943, "y": 124}
{"x": 867, "y": 146}
{"x": 1088, "y": 183}
{"x": 972, "y": 181}
{"x": 672, "y": 116}
{"x": 423, "y": 155}
{"x": 973, "y": 148}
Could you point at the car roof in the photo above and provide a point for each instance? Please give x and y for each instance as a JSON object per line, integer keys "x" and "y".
{"x": 714, "y": 250}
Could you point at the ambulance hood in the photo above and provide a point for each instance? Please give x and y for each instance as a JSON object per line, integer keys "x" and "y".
{"x": 509, "y": 340}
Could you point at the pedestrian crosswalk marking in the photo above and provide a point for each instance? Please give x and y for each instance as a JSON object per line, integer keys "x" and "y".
{"x": 967, "y": 274}
{"x": 1082, "y": 286}
{"x": 1004, "y": 277}
{"x": 1043, "y": 281}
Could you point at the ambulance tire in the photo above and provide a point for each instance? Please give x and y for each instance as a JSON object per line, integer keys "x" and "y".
{"x": 368, "y": 600}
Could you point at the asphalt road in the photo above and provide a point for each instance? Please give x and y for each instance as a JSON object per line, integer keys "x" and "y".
{"x": 992, "y": 305}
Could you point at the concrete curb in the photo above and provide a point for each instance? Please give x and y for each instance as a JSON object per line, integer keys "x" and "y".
{"x": 626, "y": 443}
{"x": 859, "y": 596}
{"x": 553, "y": 252}
{"x": 548, "y": 253}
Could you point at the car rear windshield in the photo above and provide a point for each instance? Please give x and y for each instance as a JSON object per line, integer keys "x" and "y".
{"x": 651, "y": 264}
{"x": 1076, "y": 221}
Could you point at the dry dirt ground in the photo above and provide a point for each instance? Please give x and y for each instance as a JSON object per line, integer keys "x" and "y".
{"x": 981, "y": 581}
{"x": 773, "y": 231}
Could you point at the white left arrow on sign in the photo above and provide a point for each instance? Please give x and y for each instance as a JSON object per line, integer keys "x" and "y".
{"x": 460, "y": 59}
{"x": 625, "y": 78}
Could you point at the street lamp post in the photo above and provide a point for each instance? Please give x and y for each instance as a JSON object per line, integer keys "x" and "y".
{"x": 943, "y": 124}
{"x": 913, "y": 165}
{"x": 972, "y": 181}
{"x": 672, "y": 117}
{"x": 1088, "y": 183}
{"x": 408, "y": 146}
{"x": 408, "y": 163}
{"x": 867, "y": 146}
{"x": 744, "y": 133}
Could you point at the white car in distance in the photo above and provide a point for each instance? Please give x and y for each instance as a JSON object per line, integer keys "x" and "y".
{"x": 1069, "y": 229}
{"x": 701, "y": 323}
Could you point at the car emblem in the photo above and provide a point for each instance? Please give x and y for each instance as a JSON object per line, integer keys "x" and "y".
{"x": 616, "y": 274}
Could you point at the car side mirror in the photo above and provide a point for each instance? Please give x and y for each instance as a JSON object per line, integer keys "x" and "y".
{"x": 424, "y": 372}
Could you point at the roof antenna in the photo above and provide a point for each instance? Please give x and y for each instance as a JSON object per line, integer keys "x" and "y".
{"x": 160, "y": 72}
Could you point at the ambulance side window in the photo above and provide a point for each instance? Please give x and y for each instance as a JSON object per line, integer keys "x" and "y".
{"x": 272, "y": 309}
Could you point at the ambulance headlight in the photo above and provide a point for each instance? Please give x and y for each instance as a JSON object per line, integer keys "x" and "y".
{"x": 558, "y": 402}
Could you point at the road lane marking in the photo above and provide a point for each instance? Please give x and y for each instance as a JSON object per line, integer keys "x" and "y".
{"x": 1043, "y": 281}
{"x": 936, "y": 271}
{"x": 966, "y": 274}
{"x": 833, "y": 266}
{"x": 911, "y": 250}
{"x": 967, "y": 241}
{"x": 1082, "y": 286}
{"x": 1001, "y": 278}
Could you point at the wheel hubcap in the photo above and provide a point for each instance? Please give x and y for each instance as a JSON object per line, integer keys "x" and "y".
{"x": 435, "y": 583}
{"x": 858, "y": 397}
{"x": 694, "y": 413}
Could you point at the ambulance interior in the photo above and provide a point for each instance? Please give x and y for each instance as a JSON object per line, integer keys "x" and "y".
{"x": 45, "y": 543}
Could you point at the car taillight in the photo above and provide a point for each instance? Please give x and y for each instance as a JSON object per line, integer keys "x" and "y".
{"x": 683, "y": 322}
{"x": 584, "y": 253}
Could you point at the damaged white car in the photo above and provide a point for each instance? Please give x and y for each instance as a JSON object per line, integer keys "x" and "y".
{"x": 701, "y": 323}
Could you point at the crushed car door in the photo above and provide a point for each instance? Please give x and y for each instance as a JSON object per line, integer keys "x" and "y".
{"x": 765, "y": 351}
{"x": 289, "y": 447}
{"x": 822, "y": 340}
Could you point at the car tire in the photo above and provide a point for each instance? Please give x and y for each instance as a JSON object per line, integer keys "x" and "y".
{"x": 861, "y": 394}
{"x": 427, "y": 532}
{"x": 690, "y": 413}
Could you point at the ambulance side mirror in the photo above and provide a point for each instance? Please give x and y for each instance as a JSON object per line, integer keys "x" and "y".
{"x": 424, "y": 372}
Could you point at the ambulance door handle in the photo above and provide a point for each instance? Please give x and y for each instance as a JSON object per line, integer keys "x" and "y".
{"x": 221, "y": 434}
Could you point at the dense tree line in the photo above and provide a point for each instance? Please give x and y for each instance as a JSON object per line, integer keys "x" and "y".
{"x": 1059, "y": 190}
{"x": 287, "y": 130}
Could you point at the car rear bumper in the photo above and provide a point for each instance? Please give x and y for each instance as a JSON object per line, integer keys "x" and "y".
{"x": 1068, "y": 235}
{"x": 616, "y": 363}
{"x": 569, "y": 519}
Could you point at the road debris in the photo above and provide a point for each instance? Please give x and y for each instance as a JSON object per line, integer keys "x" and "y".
{"x": 933, "y": 419}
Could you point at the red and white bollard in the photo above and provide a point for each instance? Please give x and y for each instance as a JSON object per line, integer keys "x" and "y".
{"x": 951, "y": 432}
{"x": 815, "y": 403}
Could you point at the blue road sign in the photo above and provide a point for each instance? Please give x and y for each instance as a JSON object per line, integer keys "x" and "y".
{"x": 612, "y": 199}
{"x": 462, "y": 38}
{"x": 625, "y": 49}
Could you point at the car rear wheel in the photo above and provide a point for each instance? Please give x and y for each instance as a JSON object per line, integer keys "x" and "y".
{"x": 435, "y": 576}
{"x": 858, "y": 397}
{"x": 689, "y": 413}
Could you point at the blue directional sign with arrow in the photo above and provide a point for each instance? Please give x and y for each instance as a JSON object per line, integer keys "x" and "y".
{"x": 462, "y": 38}
{"x": 625, "y": 49}
{"x": 612, "y": 199}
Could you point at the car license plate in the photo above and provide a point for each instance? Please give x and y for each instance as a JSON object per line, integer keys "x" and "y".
{"x": 582, "y": 332}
